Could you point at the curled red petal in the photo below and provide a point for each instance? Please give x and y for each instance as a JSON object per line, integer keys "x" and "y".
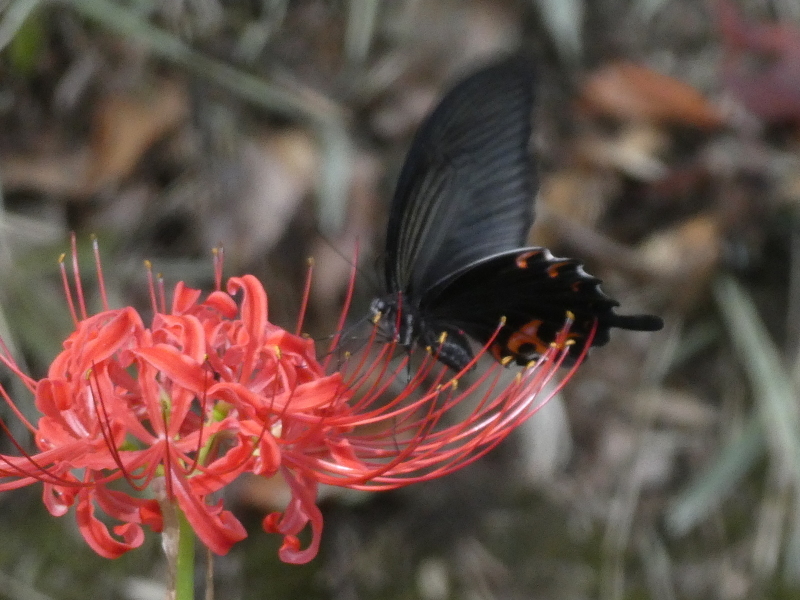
{"x": 302, "y": 510}
{"x": 104, "y": 340}
{"x": 58, "y": 499}
{"x": 120, "y": 505}
{"x": 218, "y": 529}
{"x": 150, "y": 515}
{"x": 223, "y": 303}
{"x": 183, "y": 298}
{"x": 316, "y": 394}
{"x": 53, "y": 396}
{"x": 254, "y": 305}
{"x": 182, "y": 369}
{"x": 223, "y": 470}
{"x": 185, "y": 331}
{"x": 97, "y": 535}
{"x": 269, "y": 456}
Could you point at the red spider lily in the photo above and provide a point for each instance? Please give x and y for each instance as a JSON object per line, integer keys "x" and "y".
{"x": 212, "y": 389}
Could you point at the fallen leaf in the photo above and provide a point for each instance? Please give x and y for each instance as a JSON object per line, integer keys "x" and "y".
{"x": 688, "y": 253}
{"x": 631, "y": 92}
{"x": 125, "y": 127}
{"x": 634, "y": 150}
{"x": 57, "y": 173}
{"x": 579, "y": 194}
{"x": 275, "y": 172}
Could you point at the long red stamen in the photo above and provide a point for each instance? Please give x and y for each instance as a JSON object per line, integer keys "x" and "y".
{"x": 151, "y": 287}
{"x": 218, "y": 260}
{"x": 101, "y": 282}
{"x": 162, "y": 294}
{"x": 304, "y": 300}
{"x": 351, "y": 286}
{"x": 67, "y": 291}
{"x": 76, "y": 275}
{"x": 104, "y": 420}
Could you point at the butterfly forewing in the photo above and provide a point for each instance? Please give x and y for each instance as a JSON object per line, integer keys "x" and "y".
{"x": 466, "y": 188}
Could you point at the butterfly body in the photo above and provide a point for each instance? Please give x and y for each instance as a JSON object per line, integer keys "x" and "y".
{"x": 457, "y": 265}
{"x": 410, "y": 326}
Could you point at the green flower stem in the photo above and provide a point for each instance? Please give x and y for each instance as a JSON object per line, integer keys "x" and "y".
{"x": 184, "y": 566}
{"x": 178, "y": 541}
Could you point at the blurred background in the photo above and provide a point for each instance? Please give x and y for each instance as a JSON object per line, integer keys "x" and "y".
{"x": 667, "y": 136}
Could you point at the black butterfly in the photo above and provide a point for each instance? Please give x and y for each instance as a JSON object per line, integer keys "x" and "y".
{"x": 455, "y": 256}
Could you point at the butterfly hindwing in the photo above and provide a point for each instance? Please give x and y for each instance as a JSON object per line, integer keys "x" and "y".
{"x": 533, "y": 292}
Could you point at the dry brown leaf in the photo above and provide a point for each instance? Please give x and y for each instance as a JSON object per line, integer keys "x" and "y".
{"x": 276, "y": 172}
{"x": 59, "y": 174}
{"x": 688, "y": 252}
{"x": 124, "y": 127}
{"x": 631, "y": 92}
{"x": 634, "y": 150}
{"x": 579, "y": 194}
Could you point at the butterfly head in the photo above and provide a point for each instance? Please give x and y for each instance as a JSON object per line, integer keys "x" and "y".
{"x": 394, "y": 319}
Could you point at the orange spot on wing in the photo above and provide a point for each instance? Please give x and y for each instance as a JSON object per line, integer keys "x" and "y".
{"x": 553, "y": 270}
{"x": 528, "y": 334}
{"x": 522, "y": 259}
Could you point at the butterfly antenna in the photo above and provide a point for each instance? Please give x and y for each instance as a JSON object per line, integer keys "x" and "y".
{"x": 362, "y": 274}
{"x": 344, "y": 336}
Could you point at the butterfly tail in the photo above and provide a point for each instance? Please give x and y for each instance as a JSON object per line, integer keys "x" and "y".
{"x": 635, "y": 322}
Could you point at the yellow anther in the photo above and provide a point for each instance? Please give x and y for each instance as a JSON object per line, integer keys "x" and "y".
{"x": 148, "y": 265}
{"x": 506, "y": 360}
{"x": 442, "y": 337}
{"x": 310, "y": 261}
{"x": 376, "y": 319}
{"x": 278, "y": 352}
{"x": 503, "y": 321}
{"x": 570, "y": 315}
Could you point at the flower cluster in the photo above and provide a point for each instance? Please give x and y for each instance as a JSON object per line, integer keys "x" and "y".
{"x": 133, "y": 416}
